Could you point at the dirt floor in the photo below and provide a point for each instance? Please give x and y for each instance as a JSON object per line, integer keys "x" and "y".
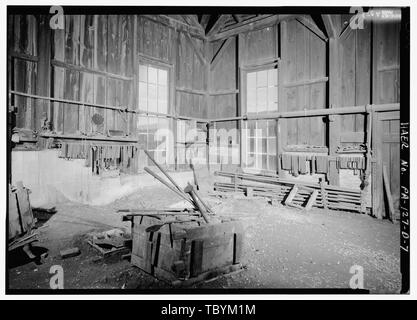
{"x": 284, "y": 247}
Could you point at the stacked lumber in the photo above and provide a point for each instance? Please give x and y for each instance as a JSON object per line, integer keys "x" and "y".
{"x": 331, "y": 197}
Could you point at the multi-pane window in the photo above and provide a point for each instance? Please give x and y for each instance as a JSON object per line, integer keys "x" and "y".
{"x": 261, "y": 145}
{"x": 155, "y": 132}
{"x": 153, "y": 89}
{"x": 155, "y": 135}
{"x": 260, "y": 135}
{"x": 190, "y": 143}
{"x": 262, "y": 91}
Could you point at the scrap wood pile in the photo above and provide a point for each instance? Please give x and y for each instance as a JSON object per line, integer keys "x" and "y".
{"x": 293, "y": 193}
{"x": 199, "y": 213}
{"x": 22, "y": 230}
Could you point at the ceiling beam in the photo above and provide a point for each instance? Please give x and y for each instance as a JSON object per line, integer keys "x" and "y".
{"x": 309, "y": 23}
{"x": 205, "y": 20}
{"x": 192, "y": 20}
{"x": 331, "y": 28}
{"x": 218, "y": 25}
{"x": 177, "y": 25}
{"x": 256, "y": 23}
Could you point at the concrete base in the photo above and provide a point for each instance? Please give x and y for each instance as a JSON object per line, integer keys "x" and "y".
{"x": 52, "y": 179}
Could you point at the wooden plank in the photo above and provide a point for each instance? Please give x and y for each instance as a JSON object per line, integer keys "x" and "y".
{"x": 388, "y": 193}
{"x": 197, "y": 252}
{"x": 101, "y": 46}
{"x": 87, "y": 95}
{"x": 312, "y": 200}
{"x": 58, "y": 108}
{"x": 71, "y": 111}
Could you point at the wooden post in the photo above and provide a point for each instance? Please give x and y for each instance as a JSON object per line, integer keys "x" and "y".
{"x": 44, "y": 73}
{"x": 334, "y": 100}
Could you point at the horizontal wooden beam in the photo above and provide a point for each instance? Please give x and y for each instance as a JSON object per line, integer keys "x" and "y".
{"x": 95, "y": 105}
{"x": 61, "y": 64}
{"x": 315, "y": 112}
{"x": 83, "y": 137}
{"x": 249, "y": 25}
{"x": 176, "y": 25}
{"x": 24, "y": 56}
{"x": 305, "y": 82}
{"x": 224, "y": 92}
{"x": 191, "y": 91}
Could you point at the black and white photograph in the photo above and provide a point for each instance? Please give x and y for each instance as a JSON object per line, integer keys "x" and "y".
{"x": 202, "y": 149}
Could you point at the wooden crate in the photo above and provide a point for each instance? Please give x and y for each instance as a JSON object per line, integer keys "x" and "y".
{"x": 183, "y": 254}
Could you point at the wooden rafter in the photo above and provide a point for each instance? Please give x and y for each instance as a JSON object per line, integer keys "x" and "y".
{"x": 218, "y": 25}
{"x": 255, "y": 23}
{"x": 331, "y": 29}
{"x": 309, "y": 23}
{"x": 204, "y": 20}
{"x": 192, "y": 20}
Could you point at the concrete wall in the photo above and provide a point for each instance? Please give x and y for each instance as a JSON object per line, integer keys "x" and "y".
{"x": 53, "y": 180}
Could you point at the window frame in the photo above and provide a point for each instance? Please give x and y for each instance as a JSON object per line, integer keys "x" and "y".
{"x": 244, "y": 71}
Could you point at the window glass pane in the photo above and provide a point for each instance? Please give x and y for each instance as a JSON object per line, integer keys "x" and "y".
{"x": 264, "y": 162}
{"x": 152, "y": 98}
{"x": 258, "y": 161}
{"x": 143, "y": 125}
{"x": 251, "y": 99}
{"x": 261, "y": 99}
{"x": 262, "y": 126}
{"x": 271, "y": 128}
{"x": 252, "y": 144}
{"x": 264, "y": 145}
{"x": 272, "y": 145}
{"x": 143, "y": 96}
{"x": 143, "y": 141}
{"x": 251, "y": 80}
{"x": 272, "y": 99}
{"x": 162, "y": 77}
{"x": 272, "y": 77}
{"x": 258, "y": 145}
{"x": 143, "y": 73}
{"x": 261, "y": 80}
{"x": 152, "y": 75}
{"x": 272, "y": 163}
{"x": 162, "y": 99}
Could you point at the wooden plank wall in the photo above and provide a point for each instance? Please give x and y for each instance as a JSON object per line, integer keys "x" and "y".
{"x": 23, "y": 53}
{"x": 355, "y": 71}
{"x": 303, "y": 60}
{"x": 191, "y": 80}
{"x": 93, "y": 62}
{"x": 386, "y": 89}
